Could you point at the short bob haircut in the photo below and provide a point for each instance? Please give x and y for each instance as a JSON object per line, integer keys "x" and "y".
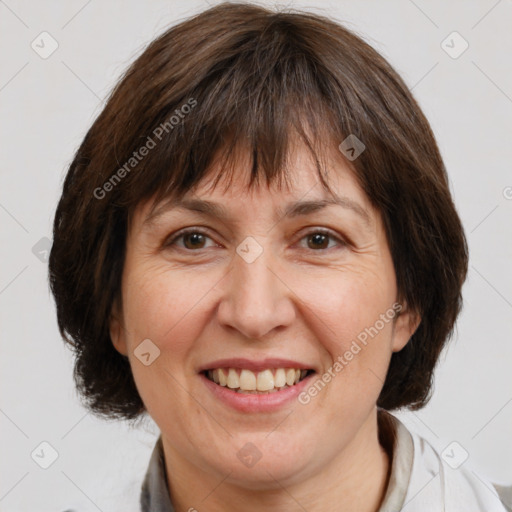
{"x": 240, "y": 75}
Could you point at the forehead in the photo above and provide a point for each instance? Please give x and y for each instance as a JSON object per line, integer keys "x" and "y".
{"x": 231, "y": 194}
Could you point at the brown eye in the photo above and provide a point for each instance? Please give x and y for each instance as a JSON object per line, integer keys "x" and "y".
{"x": 193, "y": 239}
{"x": 319, "y": 240}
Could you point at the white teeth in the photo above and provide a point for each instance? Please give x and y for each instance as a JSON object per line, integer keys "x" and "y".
{"x": 280, "y": 378}
{"x": 268, "y": 381}
{"x": 223, "y": 380}
{"x": 247, "y": 380}
{"x": 290, "y": 377}
{"x": 265, "y": 381}
{"x": 233, "y": 380}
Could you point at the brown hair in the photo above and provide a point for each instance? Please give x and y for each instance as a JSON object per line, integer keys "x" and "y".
{"x": 239, "y": 74}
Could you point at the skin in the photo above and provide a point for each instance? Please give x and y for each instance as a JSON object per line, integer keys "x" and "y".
{"x": 301, "y": 299}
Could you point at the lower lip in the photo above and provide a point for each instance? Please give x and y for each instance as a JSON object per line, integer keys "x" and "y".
{"x": 245, "y": 402}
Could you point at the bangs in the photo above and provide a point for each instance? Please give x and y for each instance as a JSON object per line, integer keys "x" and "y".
{"x": 254, "y": 105}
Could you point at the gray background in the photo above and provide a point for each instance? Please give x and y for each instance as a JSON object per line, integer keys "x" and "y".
{"x": 47, "y": 105}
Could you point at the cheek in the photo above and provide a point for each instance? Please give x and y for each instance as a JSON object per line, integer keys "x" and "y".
{"x": 344, "y": 314}
{"x": 167, "y": 306}
{"x": 344, "y": 310}
{"x": 164, "y": 306}
{"x": 345, "y": 302}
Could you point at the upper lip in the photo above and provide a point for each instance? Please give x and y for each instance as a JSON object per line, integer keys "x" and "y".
{"x": 254, "y": 365}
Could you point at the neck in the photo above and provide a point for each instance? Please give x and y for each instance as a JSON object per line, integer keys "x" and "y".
{"x": 356, "y": 479}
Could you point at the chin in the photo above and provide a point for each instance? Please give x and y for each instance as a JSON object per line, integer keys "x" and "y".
{"x": 260, "y": 463}
{"x": 265, "y": 475}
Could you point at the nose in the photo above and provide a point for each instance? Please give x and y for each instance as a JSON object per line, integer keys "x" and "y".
{"x": 256, "y": 298}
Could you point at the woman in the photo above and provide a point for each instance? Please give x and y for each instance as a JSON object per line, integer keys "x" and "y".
{"x": 256, "y": 245}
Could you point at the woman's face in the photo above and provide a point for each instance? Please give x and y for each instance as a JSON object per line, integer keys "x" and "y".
{"x": 256, "y": 294}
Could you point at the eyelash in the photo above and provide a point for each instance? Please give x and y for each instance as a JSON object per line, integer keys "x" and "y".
{"x": 189, "y": 231}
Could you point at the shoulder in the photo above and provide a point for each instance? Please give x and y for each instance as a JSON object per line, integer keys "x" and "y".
{"x": 448, "y": 481}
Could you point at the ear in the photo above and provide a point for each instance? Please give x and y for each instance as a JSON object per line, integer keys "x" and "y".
{"x": 117, "y": 332}
{"x": 406, "y": 323}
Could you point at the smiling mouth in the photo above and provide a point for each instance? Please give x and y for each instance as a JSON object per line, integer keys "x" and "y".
{"x": 267, "y": 381}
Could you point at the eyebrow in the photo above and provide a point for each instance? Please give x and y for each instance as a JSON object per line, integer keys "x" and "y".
{"x": 292, "y": 210}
